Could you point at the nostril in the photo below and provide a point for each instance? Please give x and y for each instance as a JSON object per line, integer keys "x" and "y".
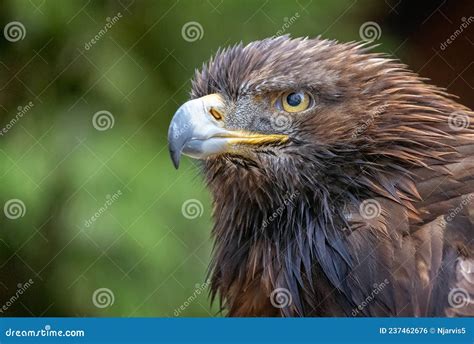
{"x": 216, "y": 114}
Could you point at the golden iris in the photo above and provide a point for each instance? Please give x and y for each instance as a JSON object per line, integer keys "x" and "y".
{"x": 295, "y": 101}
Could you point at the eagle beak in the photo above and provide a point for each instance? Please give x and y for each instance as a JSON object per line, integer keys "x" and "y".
{"x": 197, "y": 130}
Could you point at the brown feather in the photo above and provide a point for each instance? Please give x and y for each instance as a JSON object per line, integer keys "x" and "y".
{"x": 378, "y": 132}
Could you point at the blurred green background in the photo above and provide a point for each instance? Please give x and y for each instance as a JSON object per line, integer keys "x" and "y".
{"x": 147, "y": 248}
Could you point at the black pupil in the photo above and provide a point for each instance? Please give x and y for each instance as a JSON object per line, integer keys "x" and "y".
{"x": 294, "y": 99}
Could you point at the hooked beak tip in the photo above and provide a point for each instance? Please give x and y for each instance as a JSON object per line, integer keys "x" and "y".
{"x": 175, "y": 158}
{"x": 190, "y": 127}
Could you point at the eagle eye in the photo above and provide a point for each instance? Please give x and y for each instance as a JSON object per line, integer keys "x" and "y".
{"x": 295, "y": 101}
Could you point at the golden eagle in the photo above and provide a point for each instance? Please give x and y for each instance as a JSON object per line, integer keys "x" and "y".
{"x": 342, "y": 183}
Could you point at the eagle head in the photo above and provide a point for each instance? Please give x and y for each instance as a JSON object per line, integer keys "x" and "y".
{"x": 294, "y": 134}
{"x": 274, "y": 104}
